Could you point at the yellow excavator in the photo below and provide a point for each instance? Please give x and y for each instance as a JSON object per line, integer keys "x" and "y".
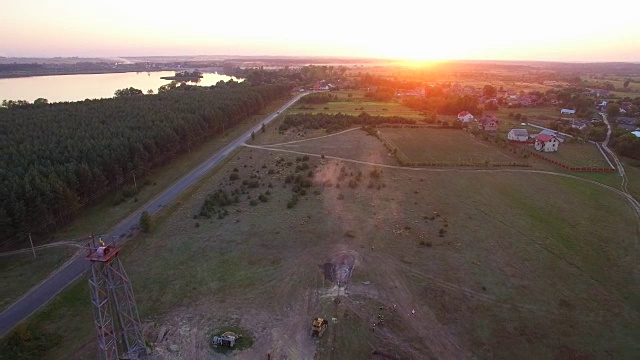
{"x": 318, "y": 326}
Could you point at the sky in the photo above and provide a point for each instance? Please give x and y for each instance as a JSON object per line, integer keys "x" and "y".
{"x": 547, "y": 30}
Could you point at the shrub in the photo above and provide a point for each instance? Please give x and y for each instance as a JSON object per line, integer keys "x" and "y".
{"x": 146, "y": 222}
{"x": 234, "y": 176}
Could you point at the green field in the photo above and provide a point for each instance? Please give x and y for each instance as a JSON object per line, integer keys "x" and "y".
{"x": 357, "y": 104}
{"x": 445, "y": 145}
{"x": 579, "y": 155}
{"x": 541, "y": 116}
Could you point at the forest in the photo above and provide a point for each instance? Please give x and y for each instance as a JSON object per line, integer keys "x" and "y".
{"x": 58, "y": 157}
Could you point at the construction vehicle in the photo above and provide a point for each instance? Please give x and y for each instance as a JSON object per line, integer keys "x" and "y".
{"x": 227, "y": 339}
{"x": 319, "y": 326}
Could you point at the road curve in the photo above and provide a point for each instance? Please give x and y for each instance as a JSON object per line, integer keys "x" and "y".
{"x": 44, "y": 292}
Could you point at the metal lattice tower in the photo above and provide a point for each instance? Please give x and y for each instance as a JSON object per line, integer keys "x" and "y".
{"x": 115, "y": 313}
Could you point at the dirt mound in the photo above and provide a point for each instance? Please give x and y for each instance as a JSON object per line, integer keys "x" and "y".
{"x": 339, "y": 268}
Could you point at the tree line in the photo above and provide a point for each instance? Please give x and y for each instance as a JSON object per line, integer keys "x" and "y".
{"x": 54, "y": 158}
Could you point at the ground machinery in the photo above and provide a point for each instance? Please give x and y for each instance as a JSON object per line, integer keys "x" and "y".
{"x": 227, "y": 339}
{"x": 318, "y": 326}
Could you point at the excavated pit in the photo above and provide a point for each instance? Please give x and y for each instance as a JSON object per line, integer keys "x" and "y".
{"x": 338, "y": 269}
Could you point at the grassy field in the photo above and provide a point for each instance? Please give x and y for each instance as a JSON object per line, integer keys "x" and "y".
{"x": 633, "y": 174}
{"x": 579, "y": 155}
{"x": 541, "y": 116}
{"x": 445, "y": 145}
{"x": 357, "y": 104}
{"x": 494, "y": 264}
{"x": 20, "y": 272}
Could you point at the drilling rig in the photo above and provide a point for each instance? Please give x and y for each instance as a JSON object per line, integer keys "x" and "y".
{"x": 115, "y": 314}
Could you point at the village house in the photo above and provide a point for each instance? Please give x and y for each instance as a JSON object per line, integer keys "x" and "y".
{"x": 488, "y": 123}
{"x": 546, "y": 143}
{"x": 580, "y": 125}
{"x": 520, "y": 135}
{"x": 465, "y": 116}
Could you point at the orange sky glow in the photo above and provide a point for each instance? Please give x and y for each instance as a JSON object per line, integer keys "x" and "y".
{"x": 482, "y": 30}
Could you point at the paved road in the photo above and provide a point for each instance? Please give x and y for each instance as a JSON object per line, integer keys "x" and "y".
{"x": 68, "y": 273}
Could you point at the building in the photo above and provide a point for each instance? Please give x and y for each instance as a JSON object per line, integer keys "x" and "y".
{"x": 546, "y": 143}
{"x": 465, "y": 116}
{"x": 518, "y": 135}
{"x": 567, "y": 111}
{"x": 488, "y": 123}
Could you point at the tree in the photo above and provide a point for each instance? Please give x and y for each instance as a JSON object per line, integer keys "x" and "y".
{"x": 626, "y": 84}
{"x": 264, "y": 128}
{"x": 489, "y": 91}
{"x": 170, "y": 86}
{"x": 40, "y": 101}
{"x": 146, "y": 222}
{"x": 253, "y": 135}
{"x": 613, "y": 110}
{"x": 128, "y": 92}
{"x": 150, "y": 92}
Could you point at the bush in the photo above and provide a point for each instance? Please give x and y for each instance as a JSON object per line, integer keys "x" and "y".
{"x": 234, "y": 176}
{"x": 146, "y": 222}
{"x": 253, "y": 203}
{"x": 293, "y": 201}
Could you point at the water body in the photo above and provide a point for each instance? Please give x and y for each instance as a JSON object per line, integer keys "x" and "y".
{"x": 89, "y": 86}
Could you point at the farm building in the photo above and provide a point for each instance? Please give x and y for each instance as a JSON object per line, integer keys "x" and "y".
{"x": 518, "y": 135}
{"x": 465, "y": 116}
{"x": 488, "y": 123}
{"x": 567, "y": 111}
{"x": 546, "y": 143}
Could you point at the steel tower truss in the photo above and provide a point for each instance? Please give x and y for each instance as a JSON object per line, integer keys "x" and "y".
{"x": 115, "y": 313}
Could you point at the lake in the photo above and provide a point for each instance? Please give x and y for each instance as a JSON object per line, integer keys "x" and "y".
{"x": 89, "y": 86}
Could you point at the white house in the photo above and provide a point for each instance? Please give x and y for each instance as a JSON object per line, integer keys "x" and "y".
{"x": 546, "y": 143}
{"x": 518, "y": 135}
{"x": 567, "y": 111}
{"x": 465, "y": 116}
